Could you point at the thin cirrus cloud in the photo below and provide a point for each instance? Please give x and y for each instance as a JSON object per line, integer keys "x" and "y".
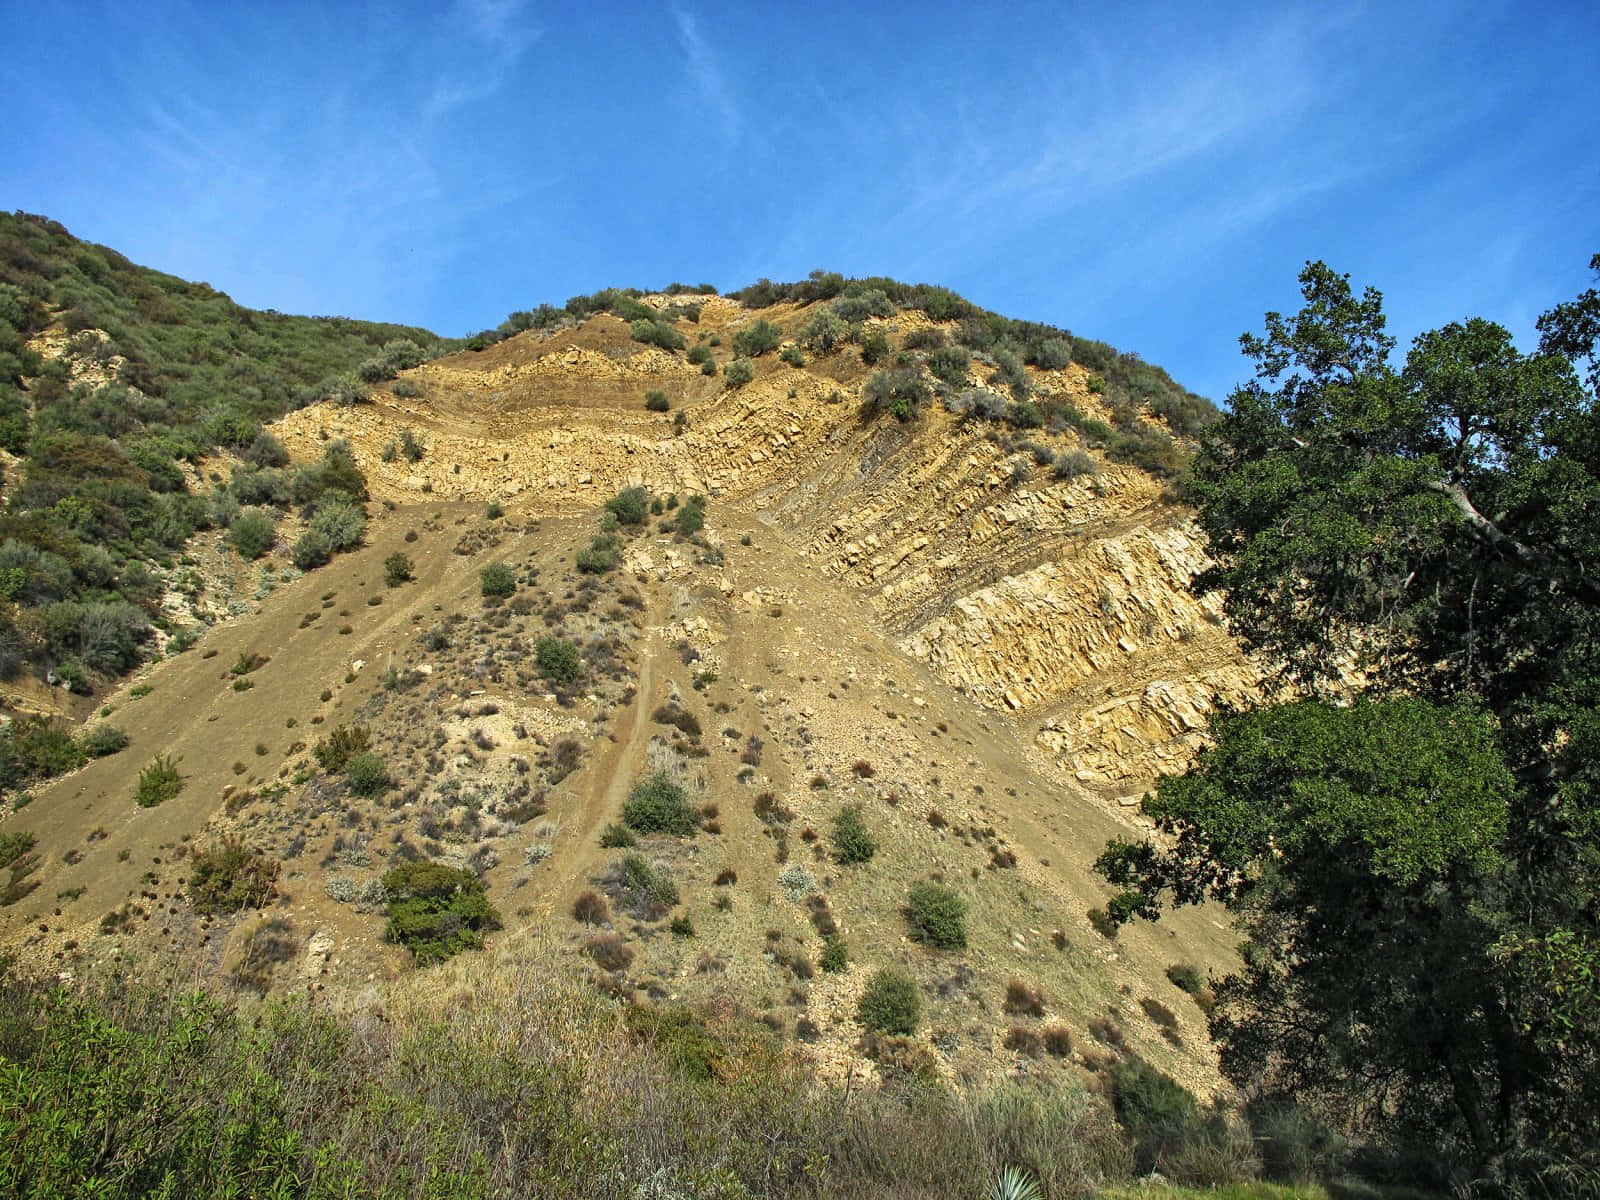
{"x": 707, "y": 76}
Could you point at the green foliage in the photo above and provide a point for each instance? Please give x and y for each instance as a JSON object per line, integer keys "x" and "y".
{"x": 756, "y": 340}
{"x": 657, "y": 333}
{"x": 891, "y": 1003}
{"x": 1416, "y": 871}
{"x": 98, "y": 741}
{"x": 340, "y": 746}
{"x": 158, "y": 783}
{"x": 852, "y": 840}
{"x": 901, "y": 391}
{"x": 33, "y": 749}
{"x": 835, "y": 956}
{"x": 938, "y": 917}
{"x": 739, "y": 372}
{"x": 691, "y": 518}
{"x": 311, "y": 550}
{"x": 229, "y": 876}
{"x": 437, "y": 911}
{"x": 253, "y": 532}
{"x": 339, "y": 519}
{"x": 497, "y": 579}
{"x": 1158, "y": 1113}
{"x": 616, "y": 836}
{"x": 701, "y": 356}
{"x": 398, "y": 568}
{"x": 824, "y": 331}
{"x": 558, "y": 660}
{"x": 602, "y": 554}
{"x": 656, "y": 401}
{"x": 630, "y": 506}
{"x": 367, "y": 774}
{"x": 657, "y": 804}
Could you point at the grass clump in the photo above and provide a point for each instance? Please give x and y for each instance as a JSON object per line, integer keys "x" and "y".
{"x": 158, "y": 783}
{"x": 658, "y": 804}
{"x": 644, "y": 890}
{"x": 437, "y": 911}
{"x": 938, "y": 917}
{"x": 891, "y": 1003}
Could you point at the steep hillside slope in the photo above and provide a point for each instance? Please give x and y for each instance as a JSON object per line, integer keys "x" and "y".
{"x": 975, "y": 628}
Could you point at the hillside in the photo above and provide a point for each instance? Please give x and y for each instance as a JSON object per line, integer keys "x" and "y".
{"x": 970, "y": 625}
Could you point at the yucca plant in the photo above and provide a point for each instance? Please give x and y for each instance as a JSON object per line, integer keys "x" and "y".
{"x": 1013, "y": 1183}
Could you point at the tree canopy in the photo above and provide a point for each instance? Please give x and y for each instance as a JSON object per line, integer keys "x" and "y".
{"x": 1416, "y": 871}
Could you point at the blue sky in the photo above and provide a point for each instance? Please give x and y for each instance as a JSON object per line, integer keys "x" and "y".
{"x": 1152, "y": 175}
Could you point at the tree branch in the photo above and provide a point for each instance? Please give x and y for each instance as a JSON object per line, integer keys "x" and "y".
{"x": 1556, "y": 572}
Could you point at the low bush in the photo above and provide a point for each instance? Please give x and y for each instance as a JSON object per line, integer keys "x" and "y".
{"x": 610, "y": 952}
{"x": 340, "y": 746}
{"x": 557, "y": 659}
{"x": 253, "y": 533}
{"x": 656, "y": 401}
{"x": 497, "y": 580}
{"x": 602, "y": 554}
{"x": 899, "y": 391}
{"x": 891, "y": 1003}
{"x": 656, "y": 333}
{"x": 658, "y": 804}
{"x": 436, "y": 911}
{"x": 631, "y": 505}
{"x": 230, "y": 876}
{"x": 938, "y": 917}
{"x": 590, "y": 908}
{"x": 101, "y": 740}
{"x": 852, "y": 841}
{"x": 691, "y": 518}
{"x": 757, "y": 339}
{"x": 158, "y": 783}
{"x": 1023, "y": 999}
{"x": 739, "y": 372}
{"x": 366, "y": 774}
{"x": 835, "y": 956}
{"x": 311, "y": 550}
{"x": 1157, "y": 1112}
{"x": 398, "y": 568}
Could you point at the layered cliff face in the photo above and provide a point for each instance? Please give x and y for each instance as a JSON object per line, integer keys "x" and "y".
{"x": 1062, "y": 602}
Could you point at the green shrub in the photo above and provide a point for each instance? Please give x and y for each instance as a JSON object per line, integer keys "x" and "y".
{"x": 630, "y": 506}
{"x": 792, "y": 355}
{"x": 228, "y": 877}
{"x": 739, "y": 372}
{"x": 366, "y": 774}
{"x": 601, "y": 555}
{"x": 497, "y": 579}
{"x": 1156, "y": 1110}
{"x": 656, "y": 401}
{"x": 158, "y": 783}
{"x": 701, "y": 356}
{"x": 33, "y": 748}
{"x": 891, "y": 1003}
{"x": 874, "y": 345}
{"x": 901, "y": 391}
{"x": 835, "y": 955}
{"x": 852, "y": 843}
{"x": 657, "y": 333}
{"x": 101, "y": 740}
{"x": 558, "y": 660}
{"x": 617, "y": 836}
{"x": 950, "y": 363}
{"x": 340, "y": 746}
{"x": 311, "y": 550}
{"x": 436, "y": 911}
{"x": 938, "y": 917}
{"x": 409, "y": 446}
{"x": 691, "y": 518}
{"x": 861, "y": 303}
{"x": 253, "y": 533}
{"x": 824, "y": 331}
{"x": 398, "y": 568}
{"x": 644, "y": 890}
{"x": 339, "y": 519}
{"x": 658, "y": 804}
{"x": 757, "y": 339}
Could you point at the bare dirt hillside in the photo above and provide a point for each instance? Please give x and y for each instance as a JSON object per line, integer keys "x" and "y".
{"x": 991, "y": 658}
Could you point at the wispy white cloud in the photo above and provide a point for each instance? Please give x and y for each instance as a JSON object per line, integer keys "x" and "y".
{"x": 497, "y": 35}
{"x": 706, "y": 75}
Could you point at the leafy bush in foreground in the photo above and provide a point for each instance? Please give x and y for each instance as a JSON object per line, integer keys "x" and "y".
{"x": 891, "y": 1003}
{"x": 938, "y": 917}
{"x": 658, "y": 804}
